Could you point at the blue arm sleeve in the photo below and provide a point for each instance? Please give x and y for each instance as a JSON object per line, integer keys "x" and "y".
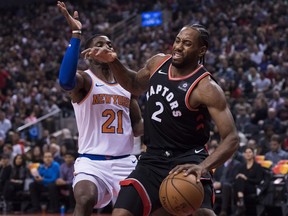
{"x": 67, "y": 78}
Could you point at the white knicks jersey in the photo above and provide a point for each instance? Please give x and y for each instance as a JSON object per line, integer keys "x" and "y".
{"x": 103, "y": 120}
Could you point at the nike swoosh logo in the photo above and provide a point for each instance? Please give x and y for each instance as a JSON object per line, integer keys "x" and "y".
{"x": 198, "y": 151}
{"x": 99, "y": 85}
{"x": 161, "y": 72}
{"x": 134, "y": 161}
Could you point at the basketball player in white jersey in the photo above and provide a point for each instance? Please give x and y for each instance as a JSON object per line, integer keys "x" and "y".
{"x": 107, "y": 117}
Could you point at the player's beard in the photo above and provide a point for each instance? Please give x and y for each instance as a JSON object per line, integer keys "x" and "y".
{"x": 181, "y": 64}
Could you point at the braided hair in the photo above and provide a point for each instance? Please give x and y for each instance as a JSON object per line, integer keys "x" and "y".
{"x": 204, "y": 38}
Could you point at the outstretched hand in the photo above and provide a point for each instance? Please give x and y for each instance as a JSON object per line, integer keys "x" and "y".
{"x": 73, "y": 22}
{"x": 187, "y": 169}
{"x": 101, "y": 54}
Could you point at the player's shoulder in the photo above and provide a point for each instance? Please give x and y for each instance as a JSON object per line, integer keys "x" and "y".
{"x": 159, "y": 57}
{"x": 155, "y": 60}
{"x": 208, "y": 83}
{"x": 209, "y": 90}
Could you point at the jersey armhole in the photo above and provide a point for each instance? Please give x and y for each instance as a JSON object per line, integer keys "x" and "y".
{"x": 187, "y": 96}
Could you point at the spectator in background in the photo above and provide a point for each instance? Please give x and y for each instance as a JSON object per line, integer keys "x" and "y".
{"x": 242, "y": 118}
{"x": 17, "y": 179}
{"x": 6, "y": 81}
{"x": 17, "y": 143}
{"x": 252, "y": 143}
{"x": 250, "y": 174}
{"x": 44, "y": 177}
{"x": 256, "y": 54}
{"x": 36, "y": 155}
{"x": 282, "y": 114}
{"x": 242, "y": 102}
{"x": 212, "y": 145}
{"x": 277, "y": 102}
{"x": 5, "y": 171}
{"x": 279, "y": 82}
{"x": 224, "y": 177}
{"x": 260, "y": 108}
{"x": 5, "y": 124}
{"x": 225, "y": 71}
{"x": 273, "y": 121}
{"x": 33, "y": 131}
{"x": 285, "y": 141}
{"x": 63, "y": 185}
{"x": 44, "y": 140}
{"x": 276, "y": 152}
{"x": 262, "y": 84}
{"x": 67, "y": 140}
{"x": 246, "y": 85}
{"x": 50, "y": 106}
{"x": 2, "y": 143}
{"x": 253, "y": 76}
{"x": 8, "y": 150}
{"x": 271, "y": 74}
{"x": 264, "y": 140}
{"x": 55, "y": 150}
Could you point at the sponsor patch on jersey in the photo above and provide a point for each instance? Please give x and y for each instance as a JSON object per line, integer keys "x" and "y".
{"x": 184, "y": 86}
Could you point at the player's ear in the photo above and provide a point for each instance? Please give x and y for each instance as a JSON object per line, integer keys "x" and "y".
{"x": 202, "y": 51}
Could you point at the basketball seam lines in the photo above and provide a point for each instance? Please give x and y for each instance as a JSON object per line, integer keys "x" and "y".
{"x": 193, "y": 185}
{"x": 181, "y": 193}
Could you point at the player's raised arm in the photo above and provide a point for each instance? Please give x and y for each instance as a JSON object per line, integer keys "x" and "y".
{"x": 68, "y": 79}
{"x": 132, "y": 81}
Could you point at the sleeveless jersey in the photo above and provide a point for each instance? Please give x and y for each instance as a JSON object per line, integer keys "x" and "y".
{"x": 103, "y": 120}
{"x": 170, "y": 123}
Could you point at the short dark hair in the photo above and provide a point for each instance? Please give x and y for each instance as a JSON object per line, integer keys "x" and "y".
{"x": 89, "y": 41}
{"x": 276, "y": 138}
{"x": 71, "y": 153}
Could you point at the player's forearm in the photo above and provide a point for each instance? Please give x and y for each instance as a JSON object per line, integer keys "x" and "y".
{"x": 223, "y": 152}
{"x": 67, "y": 74}
{"x": 138, "y": 128}
{"x": 125, "y": 77}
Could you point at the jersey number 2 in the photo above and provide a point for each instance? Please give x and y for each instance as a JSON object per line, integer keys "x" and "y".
{"x": 112, "y": 116}
{"x": 158, "y": 112}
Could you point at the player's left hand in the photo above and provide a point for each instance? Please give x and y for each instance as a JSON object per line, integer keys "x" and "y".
{"x": 73, "y": 21}
{"x": 187, "y": 169}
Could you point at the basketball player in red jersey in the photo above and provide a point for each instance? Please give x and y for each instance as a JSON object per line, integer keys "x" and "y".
{"x": 107, "y": 117}
{"x": 182, "y": 97}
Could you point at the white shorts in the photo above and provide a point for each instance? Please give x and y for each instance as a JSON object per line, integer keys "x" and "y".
{"x": 105, "y": 174}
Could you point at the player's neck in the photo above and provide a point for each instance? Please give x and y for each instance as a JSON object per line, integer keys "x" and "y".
{"x": 102, "y": 72}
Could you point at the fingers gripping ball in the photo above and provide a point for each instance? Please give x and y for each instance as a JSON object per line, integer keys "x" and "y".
{"x": 181, "y": 195}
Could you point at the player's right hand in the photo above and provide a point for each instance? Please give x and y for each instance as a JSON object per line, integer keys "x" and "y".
{"x": 73, "y": 22}
{"x": 195, "y": 169}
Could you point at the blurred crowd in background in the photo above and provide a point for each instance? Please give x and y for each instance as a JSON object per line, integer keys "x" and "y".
{"x": 248, "y": 56}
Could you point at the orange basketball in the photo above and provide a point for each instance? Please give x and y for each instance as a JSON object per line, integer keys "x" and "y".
{"x": 181, "y": 195}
